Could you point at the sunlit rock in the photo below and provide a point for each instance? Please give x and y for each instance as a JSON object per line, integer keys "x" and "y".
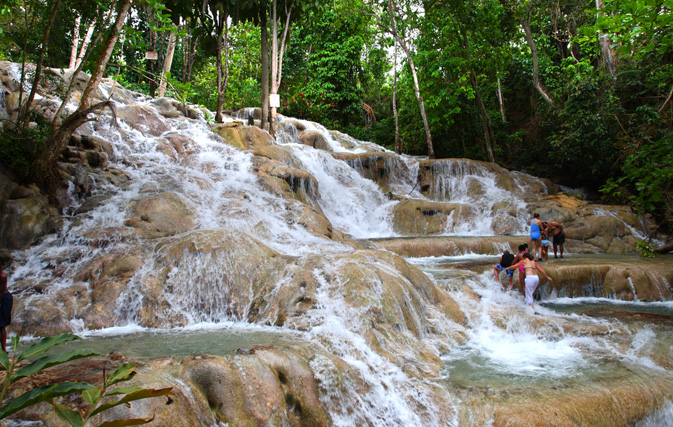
{"x": 160, "y": 215}
{"x": 315, "y": 139}
{"x": 420, "y": 217}
{"x": 143, "y": 119}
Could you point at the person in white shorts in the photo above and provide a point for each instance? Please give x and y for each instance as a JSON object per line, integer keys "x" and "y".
{"x": 532, "y": 280}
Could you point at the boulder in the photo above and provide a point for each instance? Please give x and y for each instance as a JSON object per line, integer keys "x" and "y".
{"x": 315, "y": 139}
{"x": 421, "y": 217}
{"x": 144, "y": 119}
{"x": 160, "y": 215}
{"x": 24, "y": 220}
{"x": 239, "y": 135}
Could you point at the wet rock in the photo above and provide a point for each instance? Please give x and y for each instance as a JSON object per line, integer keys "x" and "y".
{"x": 26, "y": 219}
{"x": 238, "y": 135}
{"x": 315, "y": 139}
{"x": 160, "y": 215}
{"x": 420, "y": 217}
{"x": 144, "y": 119}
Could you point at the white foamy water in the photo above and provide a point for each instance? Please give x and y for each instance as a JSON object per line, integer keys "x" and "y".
{"x": 221, "y": 188}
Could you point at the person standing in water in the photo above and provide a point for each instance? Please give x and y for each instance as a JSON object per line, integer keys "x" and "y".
{"x": 555, "y": 230}
{"x": 536, "y": 235}
{"x": 505, "y": 261}
{"x": 6, "y": 302}
{"x": 519, "y": 256}
{"x": 545, "y": 243}
{"x": 532, "y": 279}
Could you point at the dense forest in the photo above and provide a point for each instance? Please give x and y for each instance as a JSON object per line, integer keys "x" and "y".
{"x": 577, "y": 91}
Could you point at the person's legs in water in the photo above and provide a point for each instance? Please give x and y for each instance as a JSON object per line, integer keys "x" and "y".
{"x": 531, "y": 284}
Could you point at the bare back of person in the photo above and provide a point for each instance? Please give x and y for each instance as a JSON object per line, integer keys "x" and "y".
{"x": 555, "y": 228}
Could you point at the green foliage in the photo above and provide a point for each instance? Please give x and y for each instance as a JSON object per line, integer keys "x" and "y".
{"x": 99, "y": 399}
{"x": 645, "y": 249}
{"x": 20, "y": 148}
{"x": 648, "y": 177}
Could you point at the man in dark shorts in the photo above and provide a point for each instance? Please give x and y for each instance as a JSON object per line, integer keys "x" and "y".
{"x": 6, "y": 302}
{"x": 505, "y": 261}
{"x": 555, "y": 230}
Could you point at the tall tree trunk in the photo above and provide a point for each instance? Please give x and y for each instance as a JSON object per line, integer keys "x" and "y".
{"x": 71, "y": 86}
{"x": 263, "y": 22}
{"x": 398, "y": 143}
{"x": 274, "y": 66}
{"x": 168, "y": 61}
{"x": 24, "y": 112}
{"x": 501, "y": 101}
{"x": 608, "y": 55}
{"x": 483, "y": 112}
{"x": 63, "y": 133}
{"x": 525, "y": 23}
{"x": 221, "y": 28}
{"x": 152, "y": 63}
{"x": 417, "y": 90}
{"x": 85, "y": 43}
{"x": 75, "y": 43}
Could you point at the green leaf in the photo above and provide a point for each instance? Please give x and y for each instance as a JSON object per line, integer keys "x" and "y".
{"x": 127, "y": 422}
{"x": 124, "y": 372}
{"x": 91, "y": 396}
{"x": 68, "y": 415}
{"x": 4, "y": 360}
{"x": 42, "y": 394}
{"x": 51, "y": 360}
{"x": 123, "y": 391}
{"x": 145, "y": 393}
{"x": 45, "y": 344}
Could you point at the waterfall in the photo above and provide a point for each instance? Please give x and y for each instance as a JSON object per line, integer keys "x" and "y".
{"x": 405, "y": 341}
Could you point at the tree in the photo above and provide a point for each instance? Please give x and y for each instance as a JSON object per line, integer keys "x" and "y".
{"x": 62, "y": 133}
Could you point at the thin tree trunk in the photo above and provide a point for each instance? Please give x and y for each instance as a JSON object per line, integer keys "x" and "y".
{"x": 168, "y": 61}
{"x": 501, "y": 102}
{"x": 63, "y": 133}
{"x": 71, "y": 86}
{"x": 25, "y": 110}
{"x": 226, "y": 58}
{"x": 485, "y": 118}
{"x": 525, "y": 23}
{"x": 398, "y": 144}
{"x": 608, "y": 56}
{"x": 99, "y": 70}
{"x": 265, "y": 66}
{"x": 85, "y": 43}
{"x": 274, "y": 66}
{"x": 221, "y": 18}
{"x": 417, "y": 91}
{"x": 481, "y": 108}
{"x": 75, "y": 43}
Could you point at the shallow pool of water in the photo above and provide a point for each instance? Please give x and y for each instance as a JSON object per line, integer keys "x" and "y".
{"x": 142, "y": 344}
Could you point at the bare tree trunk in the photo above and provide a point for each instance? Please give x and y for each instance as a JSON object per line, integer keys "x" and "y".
{"x": 63, "y": 133}
{"x": 398, "y": 144}
{"x": 417, "y": 91}
{"x": 265, "y": 66}
{"x": 485, "y": 118}
{"x": 75, "y": 43}
{"x": 274, "y": 66}
{"x": 501, "y": 102}
{"x": 168, "y": 61}
{"x": 525, "y": 23}
{"x": 71, "y": 86}
{"x": 608, "y": 56}
{"x": 24, "y": 111}
{"x": 481, "y": 108}
{"x": 221, "y": 28}
{"x": 85, "y": 43}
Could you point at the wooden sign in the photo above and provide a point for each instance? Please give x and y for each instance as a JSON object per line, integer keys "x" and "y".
{"x": 151, "y": 55}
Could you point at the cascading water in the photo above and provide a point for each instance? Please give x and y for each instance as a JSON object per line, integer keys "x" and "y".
{"x": 427, "y": 369}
